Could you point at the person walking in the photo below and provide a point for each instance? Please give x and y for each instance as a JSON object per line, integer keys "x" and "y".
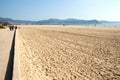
{"x": 10, "y": 28}
{"x": 15, "y": 27}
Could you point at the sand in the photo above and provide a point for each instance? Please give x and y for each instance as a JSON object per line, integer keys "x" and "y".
{"x": 69, "y": 53}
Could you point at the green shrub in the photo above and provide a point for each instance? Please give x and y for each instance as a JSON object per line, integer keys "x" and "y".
{"x": 5, "y": 24}
{"x": 1, "y": 27}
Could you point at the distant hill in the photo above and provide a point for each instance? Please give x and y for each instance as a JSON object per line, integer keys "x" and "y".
{"x": 15, "y": 21}
{"x": 4, "y": 23}
{"x": 5, "y": 19}
{"x": 52, "y": 21}
{"x": 68, "y": 21}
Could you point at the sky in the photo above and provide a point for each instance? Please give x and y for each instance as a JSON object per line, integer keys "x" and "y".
{"x": 60, "y": 9}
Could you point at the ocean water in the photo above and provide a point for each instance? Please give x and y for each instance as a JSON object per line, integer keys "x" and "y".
{"x": 103, "y": 24}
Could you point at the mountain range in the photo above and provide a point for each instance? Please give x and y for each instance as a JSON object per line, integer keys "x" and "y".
{"x": 52, "y": 21}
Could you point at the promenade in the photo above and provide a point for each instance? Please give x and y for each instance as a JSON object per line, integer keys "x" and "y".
{"x": 6, "y": 38}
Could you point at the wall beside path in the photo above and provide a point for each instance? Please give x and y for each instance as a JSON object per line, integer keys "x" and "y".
{"x": 16, "y": 69}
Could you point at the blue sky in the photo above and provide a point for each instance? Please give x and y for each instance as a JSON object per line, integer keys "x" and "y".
{"x": 61, "y": 9}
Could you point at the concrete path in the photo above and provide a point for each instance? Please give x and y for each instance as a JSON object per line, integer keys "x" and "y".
{"x": 6, "y": 38}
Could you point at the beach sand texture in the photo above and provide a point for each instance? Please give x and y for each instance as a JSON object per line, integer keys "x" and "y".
{"x": 69, "y": 53}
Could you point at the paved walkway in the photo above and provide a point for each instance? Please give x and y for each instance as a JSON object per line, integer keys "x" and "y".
{"x": 6, "y": 38}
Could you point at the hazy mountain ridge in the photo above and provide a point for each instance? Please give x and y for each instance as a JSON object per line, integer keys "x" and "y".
{"x": 52, "y": 21}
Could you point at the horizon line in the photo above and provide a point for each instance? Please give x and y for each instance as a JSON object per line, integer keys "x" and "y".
{"x": 59, "y": 19}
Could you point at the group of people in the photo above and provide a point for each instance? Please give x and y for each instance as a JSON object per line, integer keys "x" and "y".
{"x": 12, "y": 27}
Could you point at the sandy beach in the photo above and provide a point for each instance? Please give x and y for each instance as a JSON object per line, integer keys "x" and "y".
{"x": 68, "y": 53}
